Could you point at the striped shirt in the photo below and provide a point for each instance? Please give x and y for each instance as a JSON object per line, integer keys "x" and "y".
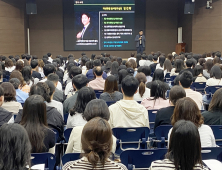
{"x": 84, "y": 164}
{"x": 166, "y": 164}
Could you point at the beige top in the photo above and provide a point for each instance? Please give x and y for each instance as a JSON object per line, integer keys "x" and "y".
{"x": 196, "y": 96}
{"x": 12, "y": 106}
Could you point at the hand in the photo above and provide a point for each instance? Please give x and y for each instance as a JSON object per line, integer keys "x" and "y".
{"x": 79, "y": 35}
{"x": 140, "y": 38}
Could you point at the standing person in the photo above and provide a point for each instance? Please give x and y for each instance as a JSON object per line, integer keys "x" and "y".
{"x": 140, "y": 42}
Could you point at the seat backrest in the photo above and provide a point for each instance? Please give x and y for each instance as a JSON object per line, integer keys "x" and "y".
{"x": 67, "y": 133}
{"x": 212, "y": 153}
{"x": 98, "y": 93}
{"x": 212, "y": 89}
{"x": 162, "y": 131}
{"x": 131, "y": 135}
{"x": 110, "y": 103}
{"x": 152, "y": 115}
{"x": 56, "y": 134}
{"x": 217, "y": 130}
{"x": 43, "y": 158}
{"x": 172, "y": 78}
{"x": 141, "y": 158}
{"x": 66, "y": 115}
{"x": 198, "y": 85}
{"x": 70, "y": 157}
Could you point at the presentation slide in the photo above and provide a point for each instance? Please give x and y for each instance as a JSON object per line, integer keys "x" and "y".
{"x": 102, "y": 24}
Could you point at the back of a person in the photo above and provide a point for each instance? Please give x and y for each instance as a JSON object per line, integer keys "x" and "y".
{"x": 207, "y": 138}
{"x": 108, "y": 97}
{"x": 75, "y": 120}
{"x": 151, "y": 104}
{"x": 97, "y": 84}
{"x": 84, "y": 164}
{"x": 196, "y": 96}
{"x": 200, "y": 79}
{"x": 212, "y": 117}
{"x": 214, "y": 82}
{"x": 128, "y": 113}
{"x": 138, "y": 97}
{"x": 12, "y": 107}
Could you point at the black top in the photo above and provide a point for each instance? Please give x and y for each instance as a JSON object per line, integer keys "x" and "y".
{"x": 167, "y": 87}
{"x": 188, "y": 69}
{"x": 49, "y": 140}
{"x": 212, "y": 117}
{"x": 5, "y": 116}
{"x": 35, "y": 74}
{"x": 163, "y": 116}
{"x": 153, "y": 67}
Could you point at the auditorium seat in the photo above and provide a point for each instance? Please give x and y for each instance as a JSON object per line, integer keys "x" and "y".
{"x": 152, "y": 117}
{"x": 217, "y": 130}
{"x": 70, "y": 157}
{"x": 198, "y": 86}
{"x": 44, "y": 158}
{"x": 161, "y": 133}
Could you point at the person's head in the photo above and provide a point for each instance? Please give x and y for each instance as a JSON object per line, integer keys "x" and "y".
{"x": 85, "y": 19}
{"x": 161, "y": 60}
{"x": 215, "y": 72}
{"x": 208, "y": 65}
{"x": 85, "y": 95}
{"x": 41, "y": 63}
{"x": 28, "y": 57}
{"x": 198, "y": 70}
{"x": 216, "y": 102}
{"x": 114, "y": 67}
{"x": 27, "y": 73}
{"x": 89, "y": 65}
{"x": 119, "y": 60}
{"x": 167, "y": 65}
{"x": 141, "y": 32}
{"x": 155, "y": 58}
{"x": 186, "y": 79}
{"x": 15, "y": 147}
{"x": 216, "y": 60}
{"x": 34, "y": 120}
{"x": 129, "y": 86}
{"x": 48, "y": 69}
{"x": 34, "y": 64}
{"x": 187, "y": 109}
{"x": 98, "y": 71}
{"x": 110, "y": 84}
{"x": 15, "y": 82}
{"x": 41, "y": 89}
{"x": 19, "y": 65}
{"x": 185, "y": 146}
{"x": 144, "y": 69}
{"x": 8, "y": 62}
{"x": 209, "y": 55}
{"x": 158, "y": 75}
{"x": 49, "y": 54}
{"x": 176, "y": 93}
{"x": 1, "y": 95}
{"x": 170, "y": 57}
{"x": 179, "y": 65}
{"x": 54, "y": 78}
{"x": 129, "y": 64}
{"x": 202, "y": 61}
{"x": 97, "y": 63}
{"x": 74, "y": 71}
{"x": 52, "y": 88}
{"x": 122, "y": 74}
{"x": 134, "y": 64}
{"x": 132, "y": 54}
{"x": 157, "y": 90}
{"x": 96, "y": 140}
{"x": 18, "y": 75}
{"x": 189, "y": 63}
{"x": 141, "y": 77}
{"x": 79, "y": 81}
{"x": 218, "y": 54}
{"x": 96, "y": 108}
{"x": 9, "y": 92}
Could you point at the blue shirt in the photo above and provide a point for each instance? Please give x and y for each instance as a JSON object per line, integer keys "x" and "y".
{"x": 21, "y": 96}
{"x": 90, "y": 75}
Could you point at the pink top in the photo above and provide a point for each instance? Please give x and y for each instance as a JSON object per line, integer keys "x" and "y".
{"x": 97, "y": 84}
{"x": 148, "y": 103}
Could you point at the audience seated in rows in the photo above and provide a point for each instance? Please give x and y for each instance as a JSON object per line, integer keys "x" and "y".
{"x": 179, "y": 66}
{"x": 130, "y": 113}
{"x": 34, "y": 66}
{"x": 164, "y": 115}
{"x": 187, "y": 109}
{"x": 90, "y": 74}
{"x": 147, "y": 71}
{"x": 189, "y": 64}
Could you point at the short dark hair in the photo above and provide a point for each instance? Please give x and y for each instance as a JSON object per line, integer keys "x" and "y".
{"x": 189, "y": 63}
{"x": 1, "y": 91}
{"x": 49, "y": 54}
{"x": 48, "y": 69}
{"x": 34, "y": 63}
{"x": 198, "y": 70}
{"x": 186, "y": 79}
{"x": 98, "y": 71}
{"x": 96, "y": 108}
{"x": 42, "y": 89}
{"x": 74, "y": 71}
{"x": 53, "y": 77}
{"x": 155, "y": 57}
{"x": 97, "y": 62}
{"x": 176, "y": 93}
{"x": 87, "y": 14}
{"x": 185, "y": 146}
{"x": 130, "y": 85}
{"x": 215, "y": 72}
{"x": 15, "y": 82}
{"x": 28, "y": 57}
{"x": 9, "y": 92}
{"x": 218, "y": 54}
{"x": 144, "y": 69}
{"x": 80, "y": 81}
{"x": 216, "y": 103}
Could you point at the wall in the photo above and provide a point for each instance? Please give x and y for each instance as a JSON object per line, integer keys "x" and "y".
{"x": 46, "y": 28}
{"x": 207, "y": 27}
{"x": 12, "y": 31}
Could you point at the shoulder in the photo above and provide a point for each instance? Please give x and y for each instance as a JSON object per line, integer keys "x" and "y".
{"x": 162, "y": 164}
{"x": 72, "y": 164}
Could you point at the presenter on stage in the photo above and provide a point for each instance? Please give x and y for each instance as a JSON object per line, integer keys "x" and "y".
{"x": 140, "y": 42}
{"x": 88, "y": 32}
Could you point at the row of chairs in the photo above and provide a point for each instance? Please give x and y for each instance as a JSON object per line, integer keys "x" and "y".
{"x": 139, "y": 159}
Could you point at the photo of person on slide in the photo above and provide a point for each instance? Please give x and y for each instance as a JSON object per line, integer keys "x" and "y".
{"x": 88, "y": 31}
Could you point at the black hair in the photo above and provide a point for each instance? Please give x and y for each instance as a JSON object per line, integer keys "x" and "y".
{"x": 158, "y": 75}
{"x": 85, "y": 95}
{"x": 74, "y": 71}
{"x": 51, "y": 87}
{"x": 96, "y": 108}
{"x": 15, "y": 82}
{"x": 189, "y": 63}
{"x": 27, "y": 74}
{"x": 114, "y": 68}
{"x": 1, "y": 91}
{"x": 97, "y": 62}
{"x": 93, "y": 56}
{"x": 185, "y": 146}
{"x": 98, "y": 71}
{"x": 41, "y": 89}
{"x": 155, "y": 57}
{"x": 215, "y": 72}
{"x": 157, "y": 89}
{"x": 88, "y": 15}
{"x": 179, "y": 65}
{"x": 34, "y": 63}
{"x": 15, "y": 147}
{"x": 144, "y": 69}
{"x": 150, "y": 57}
{"x": 186, "y": 79}
{"x": 122, "y": 74}
{"x": 80, "y": 81}
{"x": 198, "y": 70}
{"x": 53, "y": 77}
{"x": 28, "y": 57}
{"x": 49, "y": 54}
{"x": 48, "y": 69}
{"x": 70, "y": 65}
{"x": 130, "y": 85}
{"x": 161, "y": 60}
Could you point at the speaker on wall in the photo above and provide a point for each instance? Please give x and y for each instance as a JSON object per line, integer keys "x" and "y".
{"x": 31, "y": 7}
{"x": 189, "y": 7}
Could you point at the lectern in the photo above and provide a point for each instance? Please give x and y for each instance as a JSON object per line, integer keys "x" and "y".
{"x": 180, "y": 47}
